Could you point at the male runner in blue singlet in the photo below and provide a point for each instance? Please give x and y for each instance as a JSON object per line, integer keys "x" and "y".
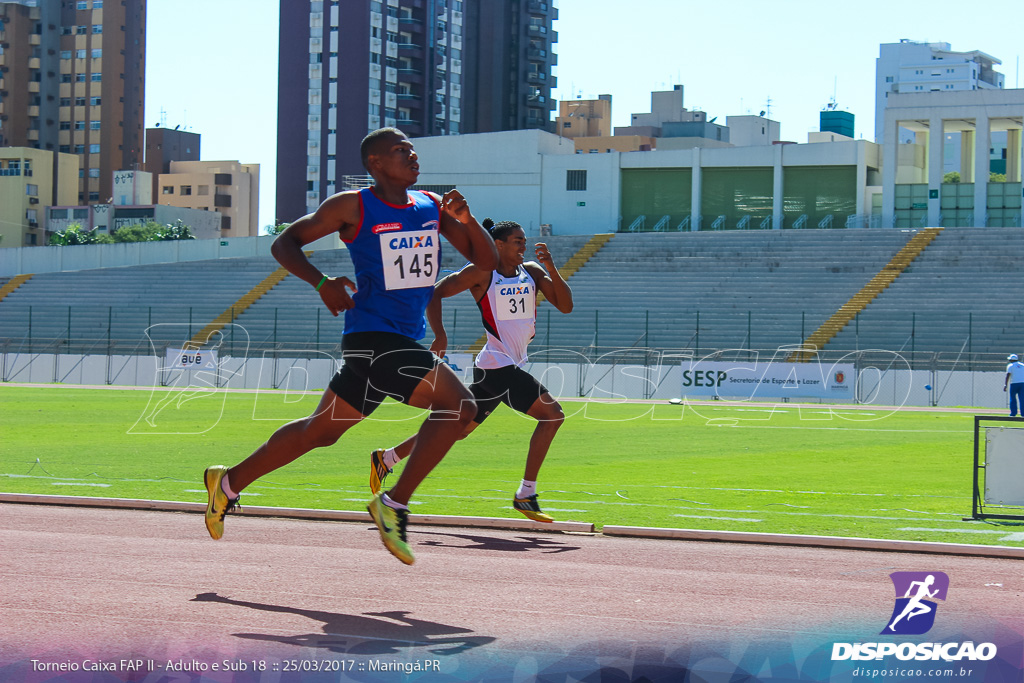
{"x": 507, "y": 298}
{"x": 393, "y": 237}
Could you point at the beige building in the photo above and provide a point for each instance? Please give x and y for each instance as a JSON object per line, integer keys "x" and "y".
{"x": 585, "y": 118}
{"x": 28, "y": 184}
{"x": 230, "y": 187}
{"x": 616, "y": 143}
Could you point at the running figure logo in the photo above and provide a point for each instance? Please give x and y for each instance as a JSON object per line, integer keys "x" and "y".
{"x": 914, "y": 612}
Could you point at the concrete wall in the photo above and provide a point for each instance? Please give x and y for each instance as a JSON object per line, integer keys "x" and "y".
{"x": 86, "y": 257}
{"x": 886, "y": 389}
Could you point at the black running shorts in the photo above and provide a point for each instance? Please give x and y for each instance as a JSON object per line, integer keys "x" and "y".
{"x": 510, "y": 385}
{"x": 379, "y": 364}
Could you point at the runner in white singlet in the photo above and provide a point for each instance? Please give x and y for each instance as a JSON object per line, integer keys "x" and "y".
{"x": 507, "y": 298}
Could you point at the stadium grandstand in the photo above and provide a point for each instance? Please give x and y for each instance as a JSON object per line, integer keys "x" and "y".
{"x": 931, "y": 295}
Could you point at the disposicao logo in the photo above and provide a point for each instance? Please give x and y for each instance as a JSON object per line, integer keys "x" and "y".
{"x": 914, "y": 614}
{"x": 916, "y": 592}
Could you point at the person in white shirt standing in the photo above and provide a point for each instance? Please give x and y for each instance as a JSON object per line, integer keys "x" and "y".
{"x": 1014, "y": 383}
{"x": 507, "y": 298}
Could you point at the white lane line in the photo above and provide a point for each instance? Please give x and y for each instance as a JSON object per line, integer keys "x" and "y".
{"x": 727, "y": 519}
{"x": 1016, "y": 536}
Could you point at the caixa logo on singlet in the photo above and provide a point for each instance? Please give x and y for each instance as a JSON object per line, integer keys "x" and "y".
{"x": 413, "y": 241}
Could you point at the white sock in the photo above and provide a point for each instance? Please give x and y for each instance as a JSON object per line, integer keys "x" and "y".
{"x": 226, "y": 488}
{"x": 386, "y": 499}
{"x": 526, "y": 489}
{"x": 391, "y": 458}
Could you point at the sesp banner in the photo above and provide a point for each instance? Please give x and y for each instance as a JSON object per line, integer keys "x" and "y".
{"x": 767, "y": 380}
{"x": 191, "y": 359}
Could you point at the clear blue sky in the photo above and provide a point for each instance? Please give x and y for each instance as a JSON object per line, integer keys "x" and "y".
{"x": 219, "y": 77}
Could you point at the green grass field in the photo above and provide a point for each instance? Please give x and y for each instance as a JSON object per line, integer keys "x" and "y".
{"x": 872, "y": 473}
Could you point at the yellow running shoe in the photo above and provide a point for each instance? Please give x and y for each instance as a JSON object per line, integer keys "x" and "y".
{"x": 219, "y": 504}
{"x": 529, "y": 507}
{"x": 378, "y": 471}
{"x": 391, "y": 524}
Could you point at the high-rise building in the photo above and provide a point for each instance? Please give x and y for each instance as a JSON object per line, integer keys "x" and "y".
{"x": 908, "y": 67}
{"x": 75, "y": 83}
{"x": 428, "y": 67}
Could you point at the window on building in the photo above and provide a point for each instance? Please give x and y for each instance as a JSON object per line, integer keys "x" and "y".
{"x": 66, "y": 149}
{"x": 94, "y": 149}
{"x": 65, "y": 125}
{"x": 94, "y": 173}
{"x": 79, "y": 125}
{"x": 94, "y": 125}
{"x": 65, "y": 101}
{"x": 95, "y": 101}
{"x": 202, "y": 190}
{"x": 65, "y": 78}
{"x": 79, "y": 149}
{"x": 58, "y": 214}
{"x": 82, "y": 4}
{"x": 31, "y": 190}
{"x": 94, "y": 196}
{"x": 97, "y": 4}
{"x": 576, "y": 181}
{"x": 97, "y": 53}
{"x": 67, "y": 30}
{"x": 65, "y": 54}
{"x": 97, "y": 77}
{"x": 167, "y": 189}
{"x": 888, "y": 79}
{"x": 185, "y": 190}
{"x": 81, "y": 30}
{"x": 79, "y": 78}
{"x": 97, "y": 28}
{"x": 79, "y": 101}
{"x": 80, "y": 54}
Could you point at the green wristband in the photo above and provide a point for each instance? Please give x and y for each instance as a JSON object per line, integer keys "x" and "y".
{"x": 321, "y": 283}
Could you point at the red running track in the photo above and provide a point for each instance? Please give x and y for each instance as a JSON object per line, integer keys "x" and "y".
{"x": 81, "y": 586}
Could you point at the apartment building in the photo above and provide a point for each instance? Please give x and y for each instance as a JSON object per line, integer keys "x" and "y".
{"x": 30, "y": 180}
{"x": 74, "y": 83}
{"x": 428, "y": 67}
{"x": 916, "y": 67}
{"x": 229, "y": 187}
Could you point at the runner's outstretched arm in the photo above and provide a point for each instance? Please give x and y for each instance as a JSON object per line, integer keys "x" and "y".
{"x": 464, "y": 233}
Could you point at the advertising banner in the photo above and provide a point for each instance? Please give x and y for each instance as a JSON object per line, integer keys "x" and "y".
{"x": 191, "y": 359}
{"x": 737, "y": 379}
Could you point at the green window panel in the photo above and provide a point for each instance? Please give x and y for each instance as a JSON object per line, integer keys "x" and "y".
{"x": 1011, "y": 200}
{"x": 818, "y": 191}
{"x": 736, "y": 193}
{"x": 656, "y": 192}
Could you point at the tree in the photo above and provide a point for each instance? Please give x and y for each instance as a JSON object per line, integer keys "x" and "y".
{"x": 74, "y": 234}
{"x": 275, "y": 229}
{"x": 174, "y": 231}
{"x": 951, "y": 177}
{"x": 151, "y": 231}
{"x": 997, "y": 177}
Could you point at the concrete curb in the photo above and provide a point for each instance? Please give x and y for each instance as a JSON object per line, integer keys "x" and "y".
{"x": 295, "y": 513}
{"x": 838, "y": 542}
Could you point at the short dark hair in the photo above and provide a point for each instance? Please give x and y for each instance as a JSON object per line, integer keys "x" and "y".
{"x": 371, "y": 143}
{"x": 502, "y": 229}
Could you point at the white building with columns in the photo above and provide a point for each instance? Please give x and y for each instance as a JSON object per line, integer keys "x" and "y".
{"x": 974, "y": 115}
{"x": 536, "y": 178}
